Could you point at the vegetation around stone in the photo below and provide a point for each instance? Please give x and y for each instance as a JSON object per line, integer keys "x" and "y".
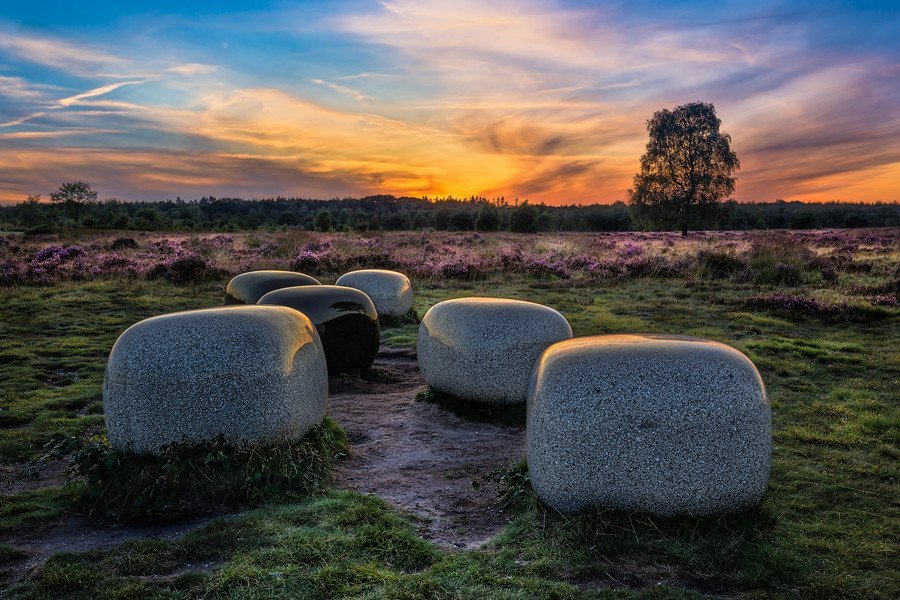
{"x": 827, "y": 527}
{"x": 195, "y": 478}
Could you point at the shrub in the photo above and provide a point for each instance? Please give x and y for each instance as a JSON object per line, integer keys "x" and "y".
{"x": 122, "y": 243}
{"x": 42, "y": 229}
{"x": 720, "y": 263}
{"x": 186, "y": 478}
{"x": 804, "y": 306}
{"x": 183, "y": 269}
{"x": 780, "y": 260}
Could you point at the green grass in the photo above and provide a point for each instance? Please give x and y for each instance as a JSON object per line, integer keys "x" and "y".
{"x": 511, "y": 414}
{"x": 828, "y": 526}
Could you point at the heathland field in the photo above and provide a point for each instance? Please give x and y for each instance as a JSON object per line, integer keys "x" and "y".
{"x": 816, "y": 311}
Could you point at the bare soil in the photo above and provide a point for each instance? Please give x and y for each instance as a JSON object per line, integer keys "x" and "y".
{"x": 434, "y": 465}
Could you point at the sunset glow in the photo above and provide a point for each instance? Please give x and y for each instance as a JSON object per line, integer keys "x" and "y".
{"x": 530, "y": 99}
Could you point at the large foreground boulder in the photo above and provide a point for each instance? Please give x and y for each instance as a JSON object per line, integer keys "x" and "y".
{"x": 345, "y": 318}
{"x": 661, "y": 424}
{"x": 248, "y": 373}
{"x": 483, "y": 349}
{"x": 248, "y": 288}
{"x": 390, "y": 291}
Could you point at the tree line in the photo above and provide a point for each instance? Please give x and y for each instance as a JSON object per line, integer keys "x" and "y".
{"x": 390, "y": 213}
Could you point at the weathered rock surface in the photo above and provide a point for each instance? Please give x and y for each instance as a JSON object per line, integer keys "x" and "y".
{"x": 390, "y": 291}
{"x": 249, "y": 373}
{"x": 345, "y": 318}
{"x": 661, "y": 424}
{"x": 484, "y": 349}
{"x": 248, "y": 288}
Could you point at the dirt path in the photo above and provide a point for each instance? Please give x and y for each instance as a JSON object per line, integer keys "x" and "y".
{"x": 423, "y": 459}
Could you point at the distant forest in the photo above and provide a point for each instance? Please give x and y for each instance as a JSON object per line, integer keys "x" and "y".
{"x": 389, "y": 213}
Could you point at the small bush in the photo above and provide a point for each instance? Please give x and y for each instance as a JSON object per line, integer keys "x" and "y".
{"x": 719, "y": 263}
{"x": 781, "y": 260}
{"x": 186, "y": 478}
{"x": 184, "y": 269}
{"x": 123, "y": 243}
{"x": 42, "y": 229}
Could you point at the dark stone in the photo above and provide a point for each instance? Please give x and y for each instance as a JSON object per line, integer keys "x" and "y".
{"x": 344, "y": 317}
{"x": 248, "y": 288}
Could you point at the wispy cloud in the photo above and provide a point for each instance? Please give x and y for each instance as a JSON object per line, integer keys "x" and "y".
{"x": 341, "y": 89}
{"x": 192, "y": 69}
{"x": 60, "y": 54}
{"x": 100, "y": 91}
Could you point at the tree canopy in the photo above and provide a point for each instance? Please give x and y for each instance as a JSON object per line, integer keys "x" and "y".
{"x": 686, "y": 171}
{"x": 74, "y": 195}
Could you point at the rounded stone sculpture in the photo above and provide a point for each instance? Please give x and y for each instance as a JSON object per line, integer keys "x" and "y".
{"x": 390, "y": 291}
{"x": 248, "y": 373}
{"x": 660, "y": 424}
{"x": 484, "y": 349}
{"x": 344, "y": 317}
{"x": 248, "y": 288}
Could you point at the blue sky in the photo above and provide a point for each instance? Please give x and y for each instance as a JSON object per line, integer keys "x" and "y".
{"x": 531, "y": 98}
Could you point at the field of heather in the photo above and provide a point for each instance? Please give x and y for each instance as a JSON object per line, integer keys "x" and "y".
{"x": 816, "y": 311}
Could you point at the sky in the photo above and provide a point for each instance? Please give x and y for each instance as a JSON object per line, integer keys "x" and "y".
{"x": 531, "y": 99}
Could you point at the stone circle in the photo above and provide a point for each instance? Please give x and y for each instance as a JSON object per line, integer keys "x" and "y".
{"x": 390, "y": 291}
{"x": 248, "y": 288}
{"x": 483, "y": 349}
{"x": 653, "y": 423}
{"x": 248, "y": 373}
{"x": 345, "y": 318}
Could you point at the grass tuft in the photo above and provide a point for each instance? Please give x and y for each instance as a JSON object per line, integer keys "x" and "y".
{"x": 510, "y": 415}
{"x": 189, "y": 478}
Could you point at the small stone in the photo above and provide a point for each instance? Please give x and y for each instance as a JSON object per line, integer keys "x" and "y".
{"x": 484, "y": 349}
{"x": 248, "y": 373}
{"x": 390, "y": 291}
{"x": 344, "y": 317}
{"x": 248, "y": 288}
{"x": 660, "y": 424}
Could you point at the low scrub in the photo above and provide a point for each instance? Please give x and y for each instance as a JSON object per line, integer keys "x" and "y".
{"x": 804, "y": 306}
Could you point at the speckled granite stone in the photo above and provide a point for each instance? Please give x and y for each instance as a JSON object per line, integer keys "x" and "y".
{"x": 345, "y": 318}
{"x": 390, "y": 291}
{"x": 483, "y": 349}
{"x": 661, "y": 424}
{"x": 248, "y": 288}
{"x": 254, "y": 373}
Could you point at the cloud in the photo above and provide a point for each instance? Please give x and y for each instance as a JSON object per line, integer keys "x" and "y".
{"x": 17, "y": 88}
{"x": 341, "y": 89}
{"x": 100, "y": 91}
{"x": 192, "y": 69}
{"x": 20, "y": 120}
{"x": 59, "y": 54}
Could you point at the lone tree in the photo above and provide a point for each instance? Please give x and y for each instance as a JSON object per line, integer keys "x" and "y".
{"x": 686, "y": 171}
{"x": 74, "y": 195}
